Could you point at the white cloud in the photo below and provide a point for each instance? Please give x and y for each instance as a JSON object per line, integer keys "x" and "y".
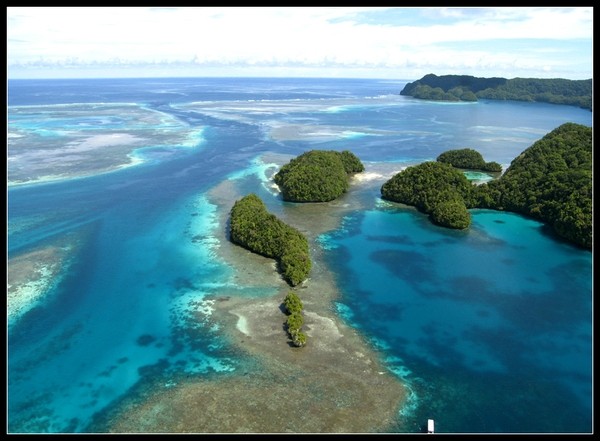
{"x": 316, "y": 37}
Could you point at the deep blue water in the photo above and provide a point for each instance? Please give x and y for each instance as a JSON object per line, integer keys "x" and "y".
{"x": 490, "y": 328}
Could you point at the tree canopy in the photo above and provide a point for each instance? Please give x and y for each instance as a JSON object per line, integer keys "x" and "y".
{"x": 295, "y": 320}
{"x": 254, "y": 228}
{"x": 469, "y": 88}
{"x": 469, "y": 159}
{"x": 550, "y": 181}
{"x": 435, "y": 188}
{"x": 317, "y": 175}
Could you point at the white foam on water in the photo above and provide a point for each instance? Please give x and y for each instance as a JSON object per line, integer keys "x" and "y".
{"x": 260, "y": 169}
{"x": 367, "y": 176}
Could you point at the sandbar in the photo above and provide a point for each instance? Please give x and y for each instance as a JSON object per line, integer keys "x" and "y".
{"x": 337, "y": 383}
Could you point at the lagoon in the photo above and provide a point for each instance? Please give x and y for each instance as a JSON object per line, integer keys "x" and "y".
{"x": 497, "y": 319}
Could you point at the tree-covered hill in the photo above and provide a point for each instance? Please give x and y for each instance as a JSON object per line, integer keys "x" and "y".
{"x": 254, "y": 228}
{"x": 317, "y": 175}
{"x": 469, "y": 159}
{"x": 550, "y": 181}
{"x": 435, "y": 188}
{"x": 469, "y": 88}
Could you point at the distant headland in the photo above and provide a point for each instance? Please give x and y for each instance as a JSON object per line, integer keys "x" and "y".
{"x": 469, "y": 88}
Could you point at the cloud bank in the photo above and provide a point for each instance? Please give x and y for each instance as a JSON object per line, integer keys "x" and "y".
{"x": 317, "y": 41}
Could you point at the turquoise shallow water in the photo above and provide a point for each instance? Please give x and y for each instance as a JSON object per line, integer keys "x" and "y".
{"x": 497, "y": 319}
{"x": 129, "y": 304}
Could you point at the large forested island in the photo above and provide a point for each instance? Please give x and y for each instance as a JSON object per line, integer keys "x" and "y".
{"x": 469, "y": 88}
{"x": 550, "y": 181}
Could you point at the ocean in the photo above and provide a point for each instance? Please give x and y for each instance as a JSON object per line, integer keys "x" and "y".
{"x": 113, "y": 243}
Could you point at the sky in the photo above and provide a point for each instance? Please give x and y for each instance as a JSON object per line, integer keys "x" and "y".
{"x": 345, "y": 42}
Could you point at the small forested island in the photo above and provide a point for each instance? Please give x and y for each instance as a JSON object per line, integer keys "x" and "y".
{"x": 317, "y": 175}
{"x": 254, "y": 228}
{"x": 550, "y": 181}
{"x": 469, "y": 88}
{"x": 293, "y": 306}
{"x": 468, "y": 159}
{"x": 434, "y": 188}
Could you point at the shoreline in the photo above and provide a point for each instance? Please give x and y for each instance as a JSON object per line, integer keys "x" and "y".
{"x": 337, "y": 383}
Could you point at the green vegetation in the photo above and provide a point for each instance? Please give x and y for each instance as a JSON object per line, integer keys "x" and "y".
{"x": 317, "y": 176}
{"x": 425, "y": 92}
{"x": 468, "y": 158}
{"x": 292, "y": 303}
{"x": 555, "y": 91}
{"x": 351, "y": 162}
{"x": 434, "y": 188}
{"x": 451, "y": 213}
{"x": 254, "y": 228}
{"x": 294, "y": 325}
{"x": 550, "y": 181}
{"x": 295, "y": 319}
{"x": 469, "y": 88}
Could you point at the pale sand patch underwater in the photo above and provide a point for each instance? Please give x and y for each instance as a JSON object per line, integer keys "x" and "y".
{"x": 308, "y": 132}
{"x": 30, "y": 277}
{"x": 335, "y": 384}
{"x": 33, "y": 275}
{"x": 54, "y": 143}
